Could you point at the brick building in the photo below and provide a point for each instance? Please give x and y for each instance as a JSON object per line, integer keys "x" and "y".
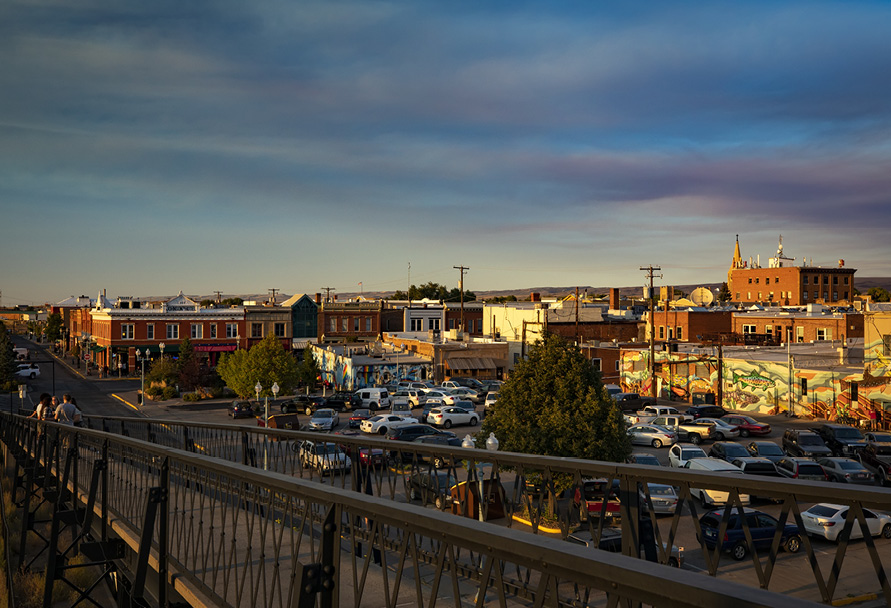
{"x": 690, "y": 325}
{"x": 357, "y": 321}
{"x": 817, "y": 324}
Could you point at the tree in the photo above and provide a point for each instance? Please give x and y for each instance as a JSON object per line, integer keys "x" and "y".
{"x": 188, "y": 366}
{"x": 207, "y": 303}
{"x": 7, "y": 360}
{"x": 554, "y": 404}
{"x": 724, "y": 295}
{"x": 232, "y": 302}
{"x": 266, "y": 363}
{"x": 433, "y": 291}
{"x": 54, "y": 327}
{"x": 879, "y": 294}
{"x": 309, "y": 369}
{"x": 502, "y": 299}
{"x": 163, "y": 371}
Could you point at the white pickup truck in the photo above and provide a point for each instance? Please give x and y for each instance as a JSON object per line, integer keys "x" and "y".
{"x": 686, "y": 428}
{"x": 647, "y": 414}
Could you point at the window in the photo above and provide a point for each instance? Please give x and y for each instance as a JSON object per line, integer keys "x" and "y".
{"x": 213, "y": 331}
{"x": 749, "y": 329}
{"x": 368, "y": 324}
{"x": 750, "y": 280}
{"x": 757, "y": 280}
{"x": 617, "y": 365}
{"x": 256, "y": 330}
{"x": 759, "y": 296}
{"x": 776, "y": 279}
{"x": 433, "y": 324}
{"x": 768, "y": 329}
{"x": 356, "y": 321}
{"x": 826, "y": 295}
{"x": 737, "y": 296}
{"x": 333, "y": 325}
{"x": 231, "y": 330}
{"x": 767, "y": 280}
{"x": 846, "y": 280}
{"x": 846, "y": 295}
{"x": 824, "y": 333}
{"x": 825, "y": 279}
{"x": 345, "y": 324}
{"x": 417, "y": 325}
{"x": 279, "y": 330}
{"x": 835, "y": 295}
{"x": 886, "y": 345}
{"x": 804, "y": 296}
{"x": 749, "y": 296}
{"x": 799, "y": 333}
{"x": 150, "y": 331}
{"x": 816, "y": 295}
{"x": 452, "y": 324}
{"x": 197, "y": 331}
{"x": 173, "y": 331}
{"x": 835, "y": 280}
{"x": 679, "y": 333}
{"x": 661, "y": 332}
{"x": 595, "y": 363}
{"x": 804, "y": 280}
{"x": 127, "y": 331}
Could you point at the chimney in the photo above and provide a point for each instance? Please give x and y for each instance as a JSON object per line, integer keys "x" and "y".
{"x": 318, "y": 298}
{"x": 614, "y": 298}
{"x": 535, "y": 297}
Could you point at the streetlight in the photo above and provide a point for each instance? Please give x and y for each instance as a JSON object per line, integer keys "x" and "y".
{"x": 237, "y": 340}
{"x": 161, "y": 346}
{"x": 141, "y": 358}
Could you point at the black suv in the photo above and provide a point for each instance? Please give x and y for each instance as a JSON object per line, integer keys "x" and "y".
{"x": 842, "y": 440}
{"x": 303, "y": 403}
{"x": 804, "y": 443}
{"x": 410, "y": 432}
{"x": 343, "y": 400}
{"x": 706, "y": 411}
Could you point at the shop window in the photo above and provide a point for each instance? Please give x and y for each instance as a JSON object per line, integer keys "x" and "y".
{"x": 127, "y": 331}
{"x": 256, "y": 330}
{"x": 150, "y": 331}
{"x": 213, "y": 331}
{"x": 197, "y": 331}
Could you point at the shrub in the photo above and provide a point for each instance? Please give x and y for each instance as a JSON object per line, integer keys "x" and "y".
{"x": 153, "y": 391}
{"x": 191, "y": 397}
{"x": 168, "y": 392}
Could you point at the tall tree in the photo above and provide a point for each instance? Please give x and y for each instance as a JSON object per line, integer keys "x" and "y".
{"x": 554, "y": 404}
{"x": 724, "y": 295}
{"x": 188, "y": 366}
{"x": 266, "y": 363}
{"x": 7, "y": 360}
{"x": 309, "y": 369}
{"x": 54, "y": 327}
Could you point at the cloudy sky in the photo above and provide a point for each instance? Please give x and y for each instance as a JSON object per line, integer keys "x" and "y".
{"x": 153, "y": 147}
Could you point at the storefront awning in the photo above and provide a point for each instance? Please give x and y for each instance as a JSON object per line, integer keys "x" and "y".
{"x": 97, "y": 349}
{"x": 470, "y": 363}
{"x": 214, "y": 348}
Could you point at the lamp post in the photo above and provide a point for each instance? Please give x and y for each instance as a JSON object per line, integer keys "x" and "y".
{"x": 237, "y": 340}
{"x": 141, "y": 358}
{"x": 162, "y": 346}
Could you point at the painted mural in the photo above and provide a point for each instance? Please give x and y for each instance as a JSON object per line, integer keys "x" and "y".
{"x": 764, "y": 387}
{"x": 341, "y": 373}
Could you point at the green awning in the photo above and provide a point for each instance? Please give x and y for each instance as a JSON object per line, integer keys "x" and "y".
{"x": 97, "y": 349}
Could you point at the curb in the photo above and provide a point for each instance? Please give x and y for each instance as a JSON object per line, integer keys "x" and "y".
{"x": 847, "y": 601}
{"x": 540, "y": 527}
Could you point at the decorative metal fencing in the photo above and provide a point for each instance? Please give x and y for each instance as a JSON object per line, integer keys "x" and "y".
{"x": 196, "y": 497}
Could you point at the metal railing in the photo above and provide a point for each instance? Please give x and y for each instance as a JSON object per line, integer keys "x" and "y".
{"x": 226, "y": 534}
{"x": 527, "y": 489}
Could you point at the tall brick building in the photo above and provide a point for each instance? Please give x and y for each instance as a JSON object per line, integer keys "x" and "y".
{"x": 783, "y": 283}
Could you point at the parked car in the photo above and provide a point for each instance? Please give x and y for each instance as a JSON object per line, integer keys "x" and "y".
{"x": 798, "y": 467}
{"x": 441, "y": 438}
{"x": 647, "y": 434}
{"x": 681, "y": 453}
{"x": 281, "y": 421}
{"x": 343, "y": 401}
{"x": 756, "y": 465}
{"x": 706, "y": 411}
{"x": 828, "y": 520}
{"x": 766, "y": 449}
{"x": 845, "y": 470}
{"x": 357, "y": 416}
{"x": 325, "y": 419}
{"x": 879, "y": 443}
{"x": 762, "y": 528}
{"x": 400, "y": 409}
{"x": 611, "y": 540}
{"x": 307, "y": 404}
{"x": 408, "y": 396}
{"x": 747, "y": 425}
{"x": 373, "y": 398}
{"x": 468, "y": 382}
{"x": 431, "y": 487}
{"x": 723, "y": 429}
{"x": 436, "y": 398}
{"x": 663, "y": 496}
{"x": 411, "y": 432}
{"x": 877, "y": 458}
{"x": 383, "y": 423}
{"x": 323, "y": 457}
{"x": 804, "y": 443}
{"x": 727, "y": 450}
{"x": 28, "y": 371}
{"x": 842, "y": 440}
{"x": 687, "y": 430}
{"x": 651, "y": 412}
{"x": 240, "y": 409}
{"x": 467, "y": 394}
{"x": 709, "y": 496}
{"x": 591, "y": 493}
{"x": 491, "y": 400}
{"x": 642, "y": 458}
{"x": 449, "y": 416}
{"x": 368, "y": 457}
{"x": 630, "y": 402}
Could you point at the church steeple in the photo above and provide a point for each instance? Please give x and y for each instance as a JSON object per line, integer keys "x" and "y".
{"x": 737, "y": 261}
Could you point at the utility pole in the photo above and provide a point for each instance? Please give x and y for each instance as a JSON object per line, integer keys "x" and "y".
{"x": 461, "y": 289}
{"x": 650, "y": 270}
{"x": 219, "y": 296}
{"x": 577, "y": 339}
{"x": 328, "y": 291}
{"x": 408, "y": 287}
{"x": 272, "y": 298}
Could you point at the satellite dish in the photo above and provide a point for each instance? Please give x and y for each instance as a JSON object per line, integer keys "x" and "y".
{"x": 702, "y": 296}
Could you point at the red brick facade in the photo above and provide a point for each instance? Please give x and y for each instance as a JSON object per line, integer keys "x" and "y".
{"x": 792, "y": 286}
{"x": 690, "y": 325}
{"x": 802, "y": 328}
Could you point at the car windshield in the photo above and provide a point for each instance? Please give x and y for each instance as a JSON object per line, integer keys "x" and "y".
{"x": 691, "y": 454}
{"x": 823, "y": 511}
{"x": 734, "y": 449}
{"x": 661, "y": 490}
{"x": 324, "y": 414}
{"x": 882, "y": 438}
{"x": 769, "y": 449}
{"x": 809, "y": 440}
{"x": 328, "y": 448}
{"x": 645, "y": 459}
{"x": 848, "y": 433}
{"x": 849, "y": 465}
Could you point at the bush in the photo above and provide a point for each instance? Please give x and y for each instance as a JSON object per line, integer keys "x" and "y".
{"x": 153, "y": 392}
{"x": 168, "y": 392}
{"x": 191, "y": 397}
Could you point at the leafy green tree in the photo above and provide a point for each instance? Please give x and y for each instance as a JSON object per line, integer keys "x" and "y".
{"x": 554, "y": 404}
{"x": 163, "y": 371}
{"x": 54, "y": 327}
{"x": 309, "y": 369}
{"x": 433, "y": 291}
{"x": 502, "y": 299}
{"x": 207, "y": 303}
{"x": 879, "y": 294}
{"x": 189, "y": 366}
{"x": 232, "y": 302}
{"x": 266, "y": 362}
{"x": 7, "y": 360}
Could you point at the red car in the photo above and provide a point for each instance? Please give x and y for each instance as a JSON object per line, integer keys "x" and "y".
{"x": 594, "y": 490}
{"x": 747, "y": 425}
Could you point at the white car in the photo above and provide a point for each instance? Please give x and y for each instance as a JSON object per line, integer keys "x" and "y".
{"x": 323, "y": 457}
{"x": 491, "y": 399}
{"x": 448, "y": 416}
{"x": 437, "y": 397}
{"x": 382, "y": 423}
{"x": 723, "y": 430}
{"x": 462, "y": 392}
{"x": 680, "y": 453}
{"x": 411, "y": 396}
{"x": 828, "y": 520}
{"x": 28, "y": 371}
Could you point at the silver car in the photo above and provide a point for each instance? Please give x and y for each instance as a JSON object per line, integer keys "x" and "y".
{"x": 650, "y": 434}
{"x": 324, "y": 419}
{"x": 845, "y": 470}
{"x": 723, "y": 430}
{"x": 664, "y": 497}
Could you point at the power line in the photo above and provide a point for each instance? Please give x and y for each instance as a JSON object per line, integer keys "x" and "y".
{"x": 328, "y": 291}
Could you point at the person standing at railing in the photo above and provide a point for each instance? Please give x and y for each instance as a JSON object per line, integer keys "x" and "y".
{"x": 43, "y": 411}
{"x": 67, "y": 411}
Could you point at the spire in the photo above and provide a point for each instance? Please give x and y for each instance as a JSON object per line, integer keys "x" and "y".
{"x": 737, "y": 258}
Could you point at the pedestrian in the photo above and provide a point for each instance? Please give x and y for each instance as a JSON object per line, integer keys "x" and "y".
{"x": 78, "y": 415}
{"x": 41, "y": 412}
{"x": 66, "y": 411}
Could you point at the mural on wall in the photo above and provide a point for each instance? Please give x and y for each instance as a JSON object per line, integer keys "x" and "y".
{"x": 343, "y": 375}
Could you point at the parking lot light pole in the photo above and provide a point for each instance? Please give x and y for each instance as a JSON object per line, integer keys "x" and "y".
{"x": 142, "y": 357}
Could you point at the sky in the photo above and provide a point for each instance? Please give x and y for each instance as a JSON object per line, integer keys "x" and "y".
{"x": 148, "y": 148}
